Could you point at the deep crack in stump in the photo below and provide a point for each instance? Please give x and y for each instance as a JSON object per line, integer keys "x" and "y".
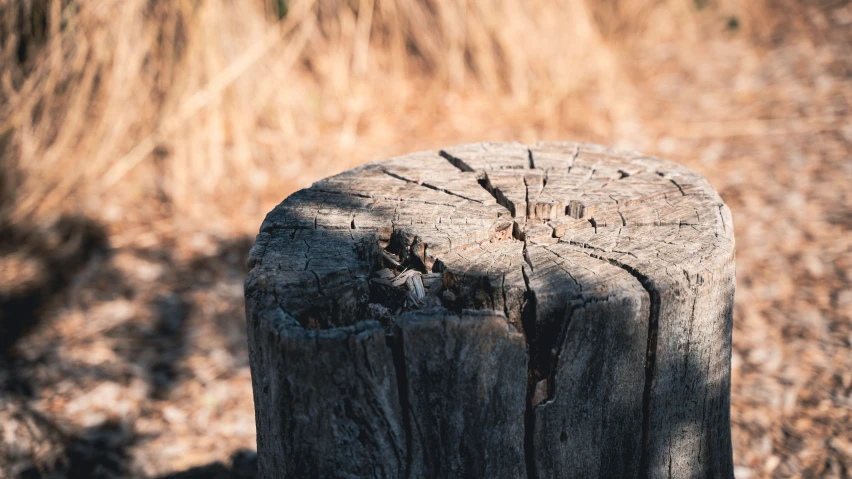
{"x": 581, "y": 326}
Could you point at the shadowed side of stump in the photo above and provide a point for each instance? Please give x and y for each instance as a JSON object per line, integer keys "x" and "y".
{"x": 495, "y": 310}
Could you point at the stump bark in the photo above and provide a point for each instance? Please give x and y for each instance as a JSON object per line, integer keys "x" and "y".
{"x": 495, "y": 310}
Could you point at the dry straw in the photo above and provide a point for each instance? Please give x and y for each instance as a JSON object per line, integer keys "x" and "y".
{"x": 196, "y": 108}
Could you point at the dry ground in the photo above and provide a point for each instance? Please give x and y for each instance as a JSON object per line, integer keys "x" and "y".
{"x": 141, "y": 144}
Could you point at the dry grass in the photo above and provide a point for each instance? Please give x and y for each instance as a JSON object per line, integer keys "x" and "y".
{"x": 191, "y": 104}
{"x": 178, "y": 125}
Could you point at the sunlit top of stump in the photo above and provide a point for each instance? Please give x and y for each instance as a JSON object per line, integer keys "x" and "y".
{"x": 495, "y": 310}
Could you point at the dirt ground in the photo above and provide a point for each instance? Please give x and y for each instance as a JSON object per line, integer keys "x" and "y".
{"x": 123, "y": 349}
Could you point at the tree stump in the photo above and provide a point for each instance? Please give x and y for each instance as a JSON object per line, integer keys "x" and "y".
{"x": 495, "y": 311}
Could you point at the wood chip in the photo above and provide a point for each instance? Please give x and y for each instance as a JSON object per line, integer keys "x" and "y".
{"x": 385, "y": 273}
{"x": 415, "y": 284}
{"x": 391, "y": 258}
{"x": 403, "y": 277}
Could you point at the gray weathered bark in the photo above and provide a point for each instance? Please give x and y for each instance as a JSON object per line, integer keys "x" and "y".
{"x": 579, "y": 324}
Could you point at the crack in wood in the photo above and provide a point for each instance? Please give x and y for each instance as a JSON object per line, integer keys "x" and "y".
{"x": 528, "y": 319}
{"x": 573, "y": 158}
{"x": 679, "y": 188}
{"x": 528, "y": 308}
{"x": 651, "y": 355}
{"x": 427, "y": 185}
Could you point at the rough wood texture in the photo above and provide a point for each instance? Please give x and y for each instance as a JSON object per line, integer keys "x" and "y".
{"x": 580, "y": 326}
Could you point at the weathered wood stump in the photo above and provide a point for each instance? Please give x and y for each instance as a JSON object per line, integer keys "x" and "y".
{"x": 495, "y": 310}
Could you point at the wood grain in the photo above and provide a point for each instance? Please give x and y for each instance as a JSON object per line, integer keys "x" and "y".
{"x": 582, "y": 326}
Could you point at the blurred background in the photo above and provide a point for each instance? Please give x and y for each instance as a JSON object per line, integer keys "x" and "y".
{"x": 142, "y": 142}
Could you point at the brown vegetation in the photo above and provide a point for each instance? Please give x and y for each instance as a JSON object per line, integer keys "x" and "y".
{"x": 142, "y": 142}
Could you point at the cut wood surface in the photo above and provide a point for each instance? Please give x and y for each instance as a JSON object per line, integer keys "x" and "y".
{"x": 495, "y": 310}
